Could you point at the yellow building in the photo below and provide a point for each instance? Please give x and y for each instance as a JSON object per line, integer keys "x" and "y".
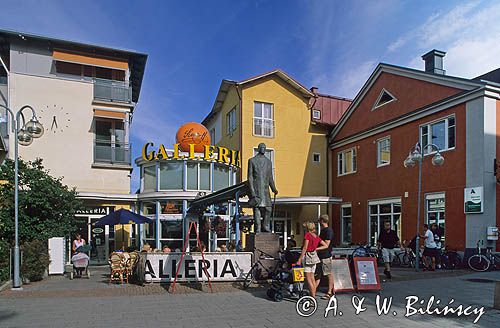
{"x": 275, "y": 109}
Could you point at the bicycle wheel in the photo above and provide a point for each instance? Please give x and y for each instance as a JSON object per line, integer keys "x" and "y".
{"x": 250, "y": 277}
{"x": 406, "y": 262}
{"x": 479, "y": 263}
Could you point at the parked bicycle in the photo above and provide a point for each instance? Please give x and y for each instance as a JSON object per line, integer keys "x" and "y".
{"x": 484, "y": 262}
{"x": 257, "y": 269}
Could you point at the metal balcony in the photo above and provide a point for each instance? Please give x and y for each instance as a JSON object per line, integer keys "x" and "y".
{"x": 113, "y": 91}
{"x": 106, "y": 152}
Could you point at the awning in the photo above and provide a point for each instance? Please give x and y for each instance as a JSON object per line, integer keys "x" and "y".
{"x": 109, "y": 114}
{"x": 70, "y": 57}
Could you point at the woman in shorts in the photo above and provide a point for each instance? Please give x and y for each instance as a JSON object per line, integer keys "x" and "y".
{"x": 311, "y": 244}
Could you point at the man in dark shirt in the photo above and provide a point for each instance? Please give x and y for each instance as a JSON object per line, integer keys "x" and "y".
{"x": 388, "y": 240}
{"x": 325, "y": 256}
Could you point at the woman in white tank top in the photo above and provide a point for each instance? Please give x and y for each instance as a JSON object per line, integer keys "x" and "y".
{"x": 78, "y": 242}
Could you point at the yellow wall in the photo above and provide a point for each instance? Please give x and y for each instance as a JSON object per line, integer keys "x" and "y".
{"x": 294, "y": 142}
{"x": 232, "y": 101}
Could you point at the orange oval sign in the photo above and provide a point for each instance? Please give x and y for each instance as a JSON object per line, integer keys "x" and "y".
{"x": 193, "y": 133}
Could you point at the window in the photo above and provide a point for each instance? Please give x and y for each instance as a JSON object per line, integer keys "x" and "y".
{"x": 263, "y": 119}
{"x": 171, "y": 175}
{"x": 346, "y": 161}
{"x": 204, "y": 176}
{"x": 171, "y": 234}
{"x": 381, "y": 211}
{"x": 316, "y": 114}
{"x": 346, "y": 219}
{"x": 269, "y": 154}
{"x": 441, "y": 133}
{"x": 384, "y": 98}
{"x": 221, "y": 177}
{"x": 110, "y": 142}
{"x": 316, "y": 157}
{"x": 171, "y": 207}
{"x": 212, "y": 136}
{"x": 149, "y": 178}
{"x": 384, "y": 151}
{"x": 231, "y": 121}
{"x": 192, "y": 176}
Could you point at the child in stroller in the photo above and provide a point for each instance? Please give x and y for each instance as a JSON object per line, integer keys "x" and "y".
{"x": 80, "y": 265}
{"x": 284, "y": 280}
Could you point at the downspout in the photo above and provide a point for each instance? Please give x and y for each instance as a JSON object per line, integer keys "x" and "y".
{"x": 7, "y": 104}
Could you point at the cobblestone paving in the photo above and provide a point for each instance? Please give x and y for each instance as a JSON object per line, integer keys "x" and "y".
{"x": 59, "y": 302}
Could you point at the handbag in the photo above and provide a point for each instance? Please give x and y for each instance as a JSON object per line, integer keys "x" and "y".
{"x": 312, "y": 258}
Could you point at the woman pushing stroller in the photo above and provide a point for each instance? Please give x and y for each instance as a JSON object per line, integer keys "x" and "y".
{"x": 312, "y": 243}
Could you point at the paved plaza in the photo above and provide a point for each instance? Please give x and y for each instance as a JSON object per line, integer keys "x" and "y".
{"x": 59, "y": 302}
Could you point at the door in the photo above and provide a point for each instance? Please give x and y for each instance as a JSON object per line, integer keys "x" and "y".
{"x": 97, "y": 241}
{"x": 279, "y": 227}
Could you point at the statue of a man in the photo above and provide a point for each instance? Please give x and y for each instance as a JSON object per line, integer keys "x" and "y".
{"x": 260, "y": 178}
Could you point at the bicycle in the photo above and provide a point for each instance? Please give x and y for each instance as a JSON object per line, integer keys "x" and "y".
{"x": 482, "y": 262}
{"x": 256, "y": 270}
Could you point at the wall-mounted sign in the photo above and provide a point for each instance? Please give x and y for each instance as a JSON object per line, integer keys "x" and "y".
{"x": 98, "y": 230}
{"x": 96, "y": 210}
{"x": 159, "y": 267}
{"x": 473, "y": 200}
{"x": 223, "y": 155}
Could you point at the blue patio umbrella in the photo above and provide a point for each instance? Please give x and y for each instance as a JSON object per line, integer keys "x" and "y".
{"x": 122, "y": 216}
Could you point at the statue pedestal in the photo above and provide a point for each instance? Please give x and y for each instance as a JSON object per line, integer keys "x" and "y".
{"x": 268, "y": 243}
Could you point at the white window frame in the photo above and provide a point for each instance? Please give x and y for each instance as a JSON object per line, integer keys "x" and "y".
{"x": 379, "y": 202}
{"x": 318, "y": 116}
{"x": 231, "y": 121}
{"x": 427, "y": 150}
{"x": 344, "y": 242}
{"x": 376, "y": 105}
{"x": 354, "y": 168}
{"x": 319, "y": 158}
{"x": 263, "y": 119}
{"x": 379, "y": 157}
{"x": 431, "y": 196}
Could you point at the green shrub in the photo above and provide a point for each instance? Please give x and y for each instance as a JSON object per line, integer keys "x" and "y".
{"x": 4, "y": 260}
{"x": 35, "y": 260}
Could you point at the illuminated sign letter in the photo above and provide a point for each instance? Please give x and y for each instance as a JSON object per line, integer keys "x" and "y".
{"x": 209, "y": 153}
{"x": 145, "y": 155}
{"x": 223, "y": 155}
{"x": 162, "y": 153}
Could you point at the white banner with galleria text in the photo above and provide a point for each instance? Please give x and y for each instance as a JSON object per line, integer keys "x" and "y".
{"x": 160, "y": 267}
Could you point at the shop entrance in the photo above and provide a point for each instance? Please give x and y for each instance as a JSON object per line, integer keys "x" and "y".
{"x": 282, "y": 227}
{"x": 97, "y": 237}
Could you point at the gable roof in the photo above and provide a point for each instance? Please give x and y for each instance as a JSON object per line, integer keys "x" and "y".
{"x": 452, "y": 81}
{"x": 226, "y": 84}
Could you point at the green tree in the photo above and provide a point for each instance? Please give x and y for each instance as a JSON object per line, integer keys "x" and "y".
{"x": 46, "y": 206}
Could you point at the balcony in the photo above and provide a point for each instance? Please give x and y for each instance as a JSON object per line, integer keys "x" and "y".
{"x": 112, "y": 153}
{"x": 113, "y": 91}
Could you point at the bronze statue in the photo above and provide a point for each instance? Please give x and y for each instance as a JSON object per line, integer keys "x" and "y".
{"x": 260, "y": 178}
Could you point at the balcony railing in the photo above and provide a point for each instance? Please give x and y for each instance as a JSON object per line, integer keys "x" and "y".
{"x": 115, "y": 91}
{"x": 106, "y": 152}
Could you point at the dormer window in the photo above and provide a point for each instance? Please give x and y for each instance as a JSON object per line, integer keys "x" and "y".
{"x": 384, "y": 98}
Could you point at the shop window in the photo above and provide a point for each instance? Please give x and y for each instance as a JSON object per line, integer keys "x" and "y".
{"x": 263, "y": 119}
{"x": 384, "y": 98}
{"x": 231, "y": 121}
{"x": 171, "y": 230}
{"x": 221, "y": 209}
{"x": 441, "y": 133}
{"x": 192, "y": 176}
{"x": 171, "y": 207}
{"x": 384, "y": 151}
{"x": 149, "y": 178}
{"x": 381, "y": 211}
{"x": 148, "y": 209}
{"x": 346, "y": 217}
{"x": 435, "y": 209}
{"x": 204, "y": 176}
{"x": 221, "y": 177}
{"x": 171, "y": 175}
{"x": 346, "y": 161}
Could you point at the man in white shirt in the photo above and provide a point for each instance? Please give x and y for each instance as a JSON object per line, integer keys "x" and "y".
{"x": 430, "y": 249}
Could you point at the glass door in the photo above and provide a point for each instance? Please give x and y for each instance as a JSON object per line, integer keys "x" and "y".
{"x": 280, "y": 227}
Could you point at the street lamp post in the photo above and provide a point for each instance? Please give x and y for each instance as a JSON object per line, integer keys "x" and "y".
{"x": 24, "y": 135}
{"x": 416, "y": 155}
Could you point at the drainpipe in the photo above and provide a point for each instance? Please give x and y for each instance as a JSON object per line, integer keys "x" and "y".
{"x": 8, "y": 99}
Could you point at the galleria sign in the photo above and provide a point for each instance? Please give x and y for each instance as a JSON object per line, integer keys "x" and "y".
{"x": 210, "y": 153}
{"x": 160, "y": 267}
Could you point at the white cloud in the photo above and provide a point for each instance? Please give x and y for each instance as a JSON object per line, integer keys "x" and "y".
{"x": 469, "y": 33}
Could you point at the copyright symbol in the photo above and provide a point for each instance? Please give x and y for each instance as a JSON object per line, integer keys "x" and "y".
{"x": 306, "y": 306}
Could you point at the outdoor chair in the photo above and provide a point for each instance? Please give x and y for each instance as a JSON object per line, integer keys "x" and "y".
{"x": 116, "y": 262}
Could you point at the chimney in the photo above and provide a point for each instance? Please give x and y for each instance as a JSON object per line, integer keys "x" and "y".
{"x": 314, "y": 90}
{"x": 434, "y": 61}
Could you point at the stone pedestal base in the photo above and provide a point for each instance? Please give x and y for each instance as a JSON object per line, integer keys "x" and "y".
{"x": 265, "y": 246}
{"x": 496, "y": 296}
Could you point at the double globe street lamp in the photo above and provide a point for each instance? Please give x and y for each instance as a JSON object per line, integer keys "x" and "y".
{"x": 416, "y": 156}
{"x": 24, "y": 136}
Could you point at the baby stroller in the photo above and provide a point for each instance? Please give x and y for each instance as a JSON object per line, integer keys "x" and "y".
{"x": 80, "y": 266}
{"x": 287, "y": 279}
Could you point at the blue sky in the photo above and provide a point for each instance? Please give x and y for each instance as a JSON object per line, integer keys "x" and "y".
{"x": 193, "y": 45}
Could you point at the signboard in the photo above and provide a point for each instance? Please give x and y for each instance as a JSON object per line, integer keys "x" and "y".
{"x": 96, "y": 210}
{"x": 342, "y": 281}
{"x": 158, "y": 267}
{"x": 366, "y": 273}
{"x": 473, "y": 200}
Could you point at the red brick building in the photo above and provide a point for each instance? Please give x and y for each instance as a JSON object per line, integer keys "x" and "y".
{"x": 396, "y": 108}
